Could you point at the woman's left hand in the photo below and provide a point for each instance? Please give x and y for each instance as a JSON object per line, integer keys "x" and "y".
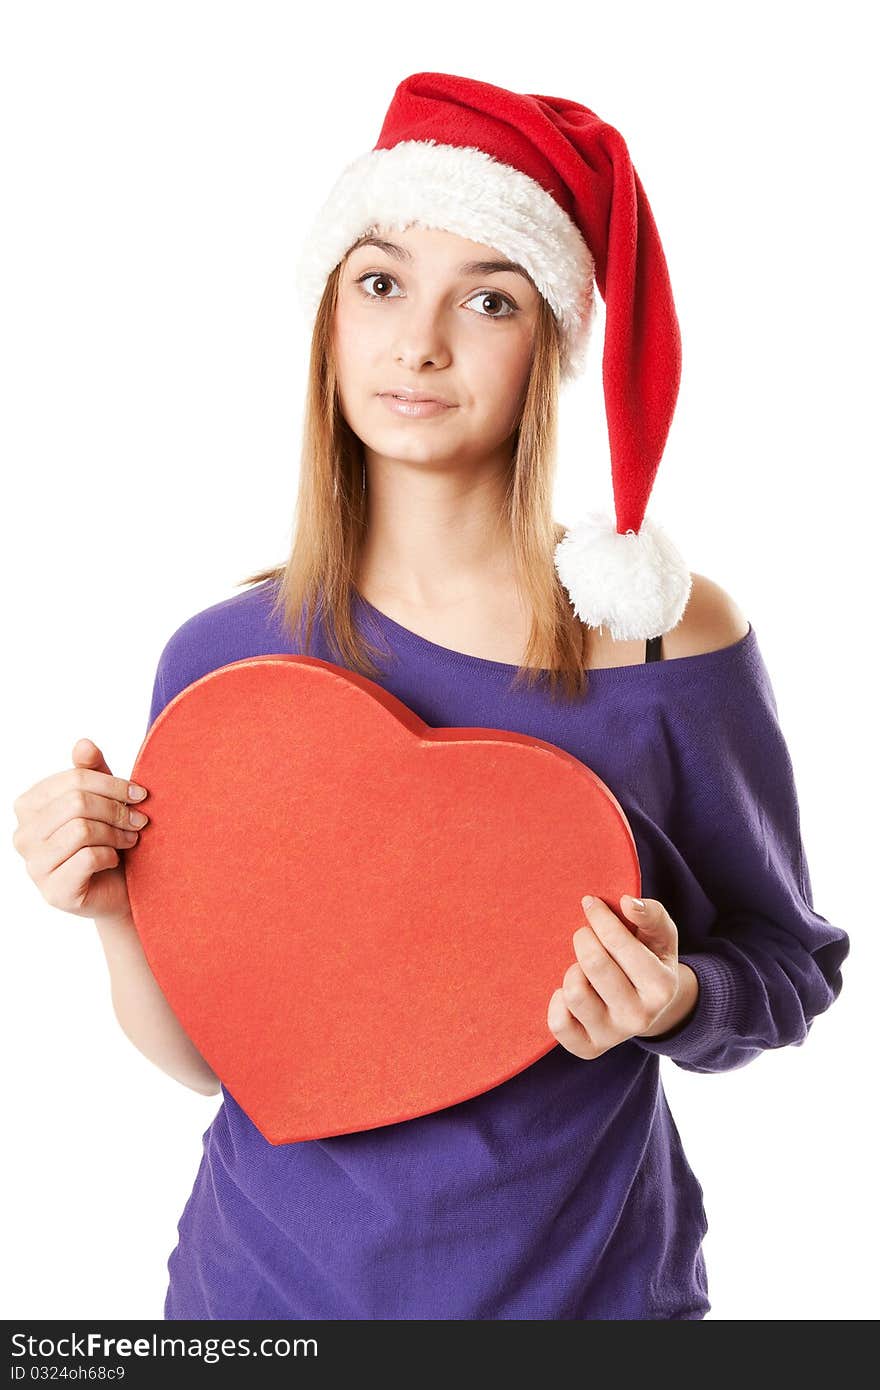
{"x": 622, "y": 985}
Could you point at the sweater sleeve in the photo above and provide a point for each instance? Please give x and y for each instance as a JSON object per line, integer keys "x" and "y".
{"x": 159, "y": 697}
{"x": 192, "y": 650}
{"x": 211, "y": 638}
{"x": 766, "y": 961}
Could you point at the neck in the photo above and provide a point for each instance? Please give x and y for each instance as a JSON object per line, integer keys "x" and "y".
{"x": 435, "y": 535}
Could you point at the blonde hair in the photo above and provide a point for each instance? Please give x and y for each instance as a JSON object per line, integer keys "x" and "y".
{"x": 319, "y": 577}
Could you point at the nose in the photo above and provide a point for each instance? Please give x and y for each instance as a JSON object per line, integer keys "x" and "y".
{"x": 420, "y": 340}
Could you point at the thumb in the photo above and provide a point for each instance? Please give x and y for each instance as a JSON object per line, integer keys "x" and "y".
{"x": 654, "y": 926}
{"x": 88, "y": 754}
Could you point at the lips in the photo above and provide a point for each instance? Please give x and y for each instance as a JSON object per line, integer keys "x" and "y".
{"x": 419, "y": 409}
{"x": 417, "y": 400}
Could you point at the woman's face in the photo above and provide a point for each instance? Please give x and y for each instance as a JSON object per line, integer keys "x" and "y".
{"x": 415, "y": 314}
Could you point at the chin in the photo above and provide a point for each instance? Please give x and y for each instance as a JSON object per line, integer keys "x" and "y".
{"x": 407, "y": 447}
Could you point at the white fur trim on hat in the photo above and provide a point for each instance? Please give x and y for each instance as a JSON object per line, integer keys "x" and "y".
{"x": 635, "y": 585}
{"x": 464, "y": 190}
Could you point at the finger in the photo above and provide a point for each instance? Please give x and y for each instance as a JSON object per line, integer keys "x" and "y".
{"x": 70, "y": 882}
{"x": 568, "y": 1030}
{"x": 88, "y": 754}
{"x": 42, "y": 829}
{"x": 646, "y": 969}
{"x": 655, "y": 927}
{"x": 584, "y": 1001}
{"x": 73, "y": 836}
{"x": 85, "y": 754}
{"x": 601, "y": 969}
{"x": 82, "y": 778}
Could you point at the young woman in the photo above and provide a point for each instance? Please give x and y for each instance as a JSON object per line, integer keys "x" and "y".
{"x": 425, "y": 556}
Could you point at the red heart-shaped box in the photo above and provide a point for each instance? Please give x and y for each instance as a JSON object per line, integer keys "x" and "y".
{"x": 358, "y": 918}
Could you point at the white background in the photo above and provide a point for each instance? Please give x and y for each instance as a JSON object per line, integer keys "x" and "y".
{"x": 160, "y": 162}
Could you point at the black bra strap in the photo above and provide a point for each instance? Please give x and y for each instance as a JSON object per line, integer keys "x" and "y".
{"x": 653, "y": 649}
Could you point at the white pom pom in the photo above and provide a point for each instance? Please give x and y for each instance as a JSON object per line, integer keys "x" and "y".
{"x": 637, "y": 586}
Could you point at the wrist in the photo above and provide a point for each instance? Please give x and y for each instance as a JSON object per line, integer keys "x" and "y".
{"x": 119, "y": 927}
{"x": 117, "y": 919}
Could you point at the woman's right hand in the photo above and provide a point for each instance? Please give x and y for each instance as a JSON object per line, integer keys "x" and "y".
{"x": 71, "y": 827}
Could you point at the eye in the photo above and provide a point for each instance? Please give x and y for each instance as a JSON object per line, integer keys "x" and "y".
{"x": 384, "y": 278}
{"x": 380, "y": 275}
{"x": 501, "y": 298}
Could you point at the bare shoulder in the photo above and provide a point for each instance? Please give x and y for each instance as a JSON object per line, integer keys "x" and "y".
{"x": 711, "y": 620}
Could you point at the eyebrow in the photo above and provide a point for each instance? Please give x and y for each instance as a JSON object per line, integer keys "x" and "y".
{"x": 400, "y": 253}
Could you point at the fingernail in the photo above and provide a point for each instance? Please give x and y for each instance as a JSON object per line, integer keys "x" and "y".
{"x": 135, "y": 792}
{"x": 638, "y": 904}
{"x": 588, "y": 901}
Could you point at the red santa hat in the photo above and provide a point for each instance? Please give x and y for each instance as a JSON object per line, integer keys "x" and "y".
{"x": 550, "y": 185}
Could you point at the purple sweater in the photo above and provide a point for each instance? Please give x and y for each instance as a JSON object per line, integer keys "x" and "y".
{"x": 563, "y": 1193}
